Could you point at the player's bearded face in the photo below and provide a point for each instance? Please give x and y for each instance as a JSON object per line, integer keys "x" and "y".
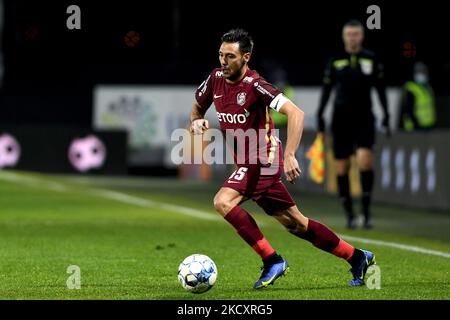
{"x": 232, "y": 60}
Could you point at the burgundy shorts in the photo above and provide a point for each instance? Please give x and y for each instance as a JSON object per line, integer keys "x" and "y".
{"x": 268, "y": 191}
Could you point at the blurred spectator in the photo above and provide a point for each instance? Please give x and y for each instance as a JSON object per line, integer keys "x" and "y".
{"x": 418, "y": 108}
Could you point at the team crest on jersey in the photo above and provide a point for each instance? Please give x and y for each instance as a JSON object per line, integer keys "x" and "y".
{"x": 241, "y": 98}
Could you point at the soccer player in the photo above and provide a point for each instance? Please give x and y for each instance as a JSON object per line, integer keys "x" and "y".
{"x": 353, "y": 72}
{"x": 242, "y": 99}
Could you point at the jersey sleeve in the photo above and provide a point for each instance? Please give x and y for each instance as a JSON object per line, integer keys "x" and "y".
{"x": 328, "y": 82}
{"x": 380, "y": 85}
{"x": 204, "y": 93}
{"x": 270, "y": 95}
{"x": 329, "y": 74}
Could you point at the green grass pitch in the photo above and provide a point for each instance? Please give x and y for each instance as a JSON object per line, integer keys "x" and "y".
{"x": 131, "y": 249}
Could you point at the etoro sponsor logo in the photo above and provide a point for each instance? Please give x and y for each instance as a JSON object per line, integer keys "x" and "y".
{"x": 232, "y": 118}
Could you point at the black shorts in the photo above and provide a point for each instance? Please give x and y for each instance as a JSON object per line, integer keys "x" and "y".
{"x": 351, "y": 135}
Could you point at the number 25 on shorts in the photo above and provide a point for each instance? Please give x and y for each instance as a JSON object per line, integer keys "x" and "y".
{"x": 238, "y": 174}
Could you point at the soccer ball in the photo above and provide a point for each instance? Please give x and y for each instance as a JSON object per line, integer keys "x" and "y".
{"x": 197, "y": 273}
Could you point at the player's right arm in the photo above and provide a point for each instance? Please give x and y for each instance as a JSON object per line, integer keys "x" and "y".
{"x": 198, "y": 123}
{"x": 328, "y": 82}
{"x": 204, "y": 98}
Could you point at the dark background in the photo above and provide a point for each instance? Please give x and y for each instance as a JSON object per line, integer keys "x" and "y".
{"x": 50, "y": 71}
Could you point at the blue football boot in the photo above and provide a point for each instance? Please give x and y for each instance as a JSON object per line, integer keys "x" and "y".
{"x": 271, "y": 272}
{"x": 360, "y": 270}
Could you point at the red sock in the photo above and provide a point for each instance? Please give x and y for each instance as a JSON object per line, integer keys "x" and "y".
{"x": 247, "y": 228}
{"x": 343, "y": 250}
{"x": 324, "y": 238}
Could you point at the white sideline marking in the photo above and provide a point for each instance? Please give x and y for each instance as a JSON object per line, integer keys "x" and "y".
{"x": 141, "y": 202}
{"x": 398, "y": 246}
{"x": 123, "y": 197}
{"x": 32, "y": 182}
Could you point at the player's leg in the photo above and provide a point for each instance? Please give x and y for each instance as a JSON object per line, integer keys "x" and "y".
{"x": 343, "y": 149}
{"x": 364, "y": 160}
{"x": 315, "y": 232}
{"x": 226, "y": 202}
{"x": 325, "y": 239}
{"x": 277, "y": 202}
{"x": 343, "y": 182}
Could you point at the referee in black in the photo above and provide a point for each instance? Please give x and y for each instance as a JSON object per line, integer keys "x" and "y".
{"x": 353, "y": 72}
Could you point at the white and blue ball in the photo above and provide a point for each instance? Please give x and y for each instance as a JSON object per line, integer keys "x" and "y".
{"x": 197, "y": 273}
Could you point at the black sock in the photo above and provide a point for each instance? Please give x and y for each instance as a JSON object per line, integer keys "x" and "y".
{"x": 356, "y": 257}
{"x": 367, "y": 180}
{"x": 344, "y": 195}
{"x": 274, "y": 258}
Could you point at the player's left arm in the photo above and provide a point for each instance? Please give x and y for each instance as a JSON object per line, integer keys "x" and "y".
{"x": 277, "y": 101}
{"x": 295, "y": 127}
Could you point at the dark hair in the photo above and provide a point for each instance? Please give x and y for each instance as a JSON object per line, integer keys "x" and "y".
{"x": 242, "y": 37}
{"x": 354, "y": 23}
